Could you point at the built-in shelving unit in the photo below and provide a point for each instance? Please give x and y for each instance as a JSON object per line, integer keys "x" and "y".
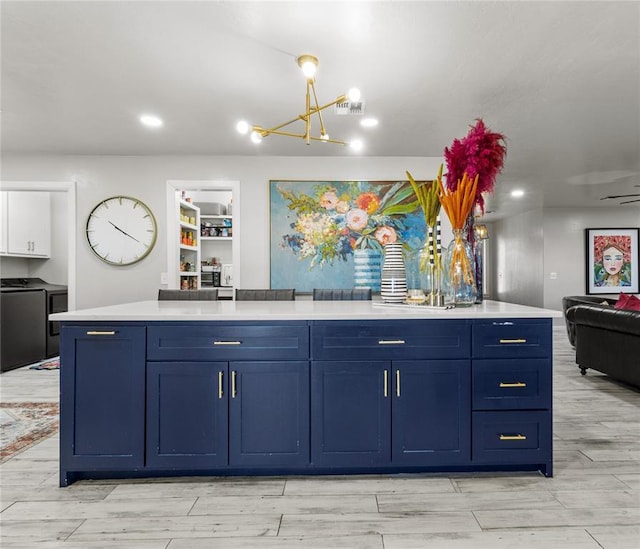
{"x": 214, "y": 252}
{"x": 188, "y": 245}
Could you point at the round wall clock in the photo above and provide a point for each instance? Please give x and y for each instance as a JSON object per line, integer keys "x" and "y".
{"x": 121, "y": 230}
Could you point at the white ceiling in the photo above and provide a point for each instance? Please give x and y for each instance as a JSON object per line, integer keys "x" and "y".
{"x": 560, "y": 79}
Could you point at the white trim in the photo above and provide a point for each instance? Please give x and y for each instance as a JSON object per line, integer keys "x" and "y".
{"x": 57, "y": 186}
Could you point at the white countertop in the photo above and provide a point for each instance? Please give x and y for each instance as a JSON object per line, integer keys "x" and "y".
{"x": 294, "y": 310}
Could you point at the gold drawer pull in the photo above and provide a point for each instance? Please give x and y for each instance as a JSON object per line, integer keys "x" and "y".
{"x": 386, "y": 384}
{"x": 513, "y": 341}
{"x": 516, "y": 384}
{"x": 97, "y": 333}
{"x": 513, "y": 437}
{"x": 391, "y": 342}
{"x": 397, "y": 382}
{"x": 227, "y": 342}
{"x": 220, "y": 384}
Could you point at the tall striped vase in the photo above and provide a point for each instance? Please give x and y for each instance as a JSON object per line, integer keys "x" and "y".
{"x": 393, "y": 284}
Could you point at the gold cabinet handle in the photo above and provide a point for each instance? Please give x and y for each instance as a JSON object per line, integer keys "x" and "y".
{"x": 513, "y": 437}
{"x": 502, "y": 341}
{"x": 397, "y": 382}
{"x": 220, "y": 394}
{"x": 391, "y": 342}
{"x": 99, "y": 333}
{"x": 386, "y": 384}
{"x": 233, "y": 384}
{"x": 515, "y": 384}
{"x": 227, "y": 342}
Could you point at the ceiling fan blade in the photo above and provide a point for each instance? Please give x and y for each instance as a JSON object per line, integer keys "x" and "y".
{"x": 619, "y": 196}
{"x": 630, "y": 201}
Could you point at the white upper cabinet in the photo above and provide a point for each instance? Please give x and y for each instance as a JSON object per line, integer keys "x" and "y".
{"x": 28, "y": 224}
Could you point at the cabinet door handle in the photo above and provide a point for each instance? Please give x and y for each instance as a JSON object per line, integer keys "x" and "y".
{"x": 503, "y": 323}
{"x": 220, "y": 394}
{"x": 515, "y": 384}
{"x": 98, "y": 333}
{"x": 513, "y": 437}
{"x": 397, "y": 382}
{"x": 503, "y": 341}
{"x": 391, "y": 342}
{"x": 227, "y": 342}
{"x": 386, "y": 384}
{"x": 233, "y": 384}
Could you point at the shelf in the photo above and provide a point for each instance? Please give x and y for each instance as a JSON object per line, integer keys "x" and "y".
{"x": 189, "y": 226}
{"x": 215, "y": 216}
{"x": 228, "y": 238}
{"x": 189, "y": 248}
{"x": 189, "y": 273}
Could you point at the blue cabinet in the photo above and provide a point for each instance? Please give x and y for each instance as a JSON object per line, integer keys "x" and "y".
{"x": 390, "y": 413}
{"x": 350, "y": 414}
{"x": 269, "y": 414}
{"x": 102, "y": 387}
{"x": 305, "y": 397}
{"x": 187, "y": 414}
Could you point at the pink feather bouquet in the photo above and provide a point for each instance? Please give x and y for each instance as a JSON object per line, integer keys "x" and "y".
{"x": 480, "y": 153}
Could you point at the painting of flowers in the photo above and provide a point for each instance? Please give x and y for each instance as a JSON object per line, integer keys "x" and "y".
{"x": 317, "y": 226}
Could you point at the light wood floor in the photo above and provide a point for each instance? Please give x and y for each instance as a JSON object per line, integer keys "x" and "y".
{"x": 592, "y": 502}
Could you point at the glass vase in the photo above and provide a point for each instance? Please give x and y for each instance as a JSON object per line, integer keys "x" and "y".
{"x": 460, "y": 265}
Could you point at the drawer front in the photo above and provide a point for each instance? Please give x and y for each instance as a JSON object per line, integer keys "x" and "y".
{"x": 509, "y": 384}
{"x": 512, "y": 338}
{"x": 380, "y": 340}
{"x": 511, "y": 437}
{"x": 224, "y": 342}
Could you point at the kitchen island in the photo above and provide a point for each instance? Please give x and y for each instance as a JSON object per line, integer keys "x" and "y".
{"x": 159, "y": 388}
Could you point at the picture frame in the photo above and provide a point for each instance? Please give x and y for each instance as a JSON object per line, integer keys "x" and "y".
{"x": 612, "y": 257}
{"x": 315, "y": 228}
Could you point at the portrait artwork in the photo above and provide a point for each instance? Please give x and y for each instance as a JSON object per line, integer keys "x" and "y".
{"x": 612, "y": 261}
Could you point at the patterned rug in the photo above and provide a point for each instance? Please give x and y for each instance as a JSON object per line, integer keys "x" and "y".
{"x": 50, "y": 364}
{"x": 23, "y": 424}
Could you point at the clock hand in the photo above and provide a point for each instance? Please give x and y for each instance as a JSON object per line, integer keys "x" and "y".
{"x": 123, "y": 232}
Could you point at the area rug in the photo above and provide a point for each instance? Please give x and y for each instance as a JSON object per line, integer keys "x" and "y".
{"x": 50, "y": 364}
{"x": 23, "y": 424}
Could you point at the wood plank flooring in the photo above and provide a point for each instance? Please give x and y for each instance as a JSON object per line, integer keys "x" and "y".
{"x": 592, "y": 502}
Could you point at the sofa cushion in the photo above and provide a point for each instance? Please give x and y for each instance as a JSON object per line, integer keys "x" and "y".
{"x": 628, "y": 302}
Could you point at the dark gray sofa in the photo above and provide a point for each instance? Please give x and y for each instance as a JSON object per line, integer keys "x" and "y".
{"x": 606, "y": 339}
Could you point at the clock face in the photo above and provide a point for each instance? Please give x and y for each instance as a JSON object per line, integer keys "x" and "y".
{"x": 121, "y": 230}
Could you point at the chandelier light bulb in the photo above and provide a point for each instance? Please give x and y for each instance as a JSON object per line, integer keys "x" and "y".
{"x": 324, "y": 136}
{"x": 308, "y": 64}
{"x": 354, "y": 94}
{"x": 256, "y": 137}
{"x": 243, "y": 127}
{"x": 356, "y": 145}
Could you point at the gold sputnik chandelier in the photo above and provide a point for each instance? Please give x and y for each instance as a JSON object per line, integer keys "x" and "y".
{"x": 309, "y": 65}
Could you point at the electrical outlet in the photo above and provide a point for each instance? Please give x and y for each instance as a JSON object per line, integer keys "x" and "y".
{"x": 164, "y": 279}
{"x": 553, "y": 276}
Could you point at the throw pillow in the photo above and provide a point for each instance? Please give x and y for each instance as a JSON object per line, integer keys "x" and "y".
{"x": 628, "y": 302}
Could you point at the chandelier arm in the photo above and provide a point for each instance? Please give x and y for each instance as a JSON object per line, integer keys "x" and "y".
{"x": 328, "y": 140}
{"x": 317, "y": 110}
{"x": 288, "y": 134}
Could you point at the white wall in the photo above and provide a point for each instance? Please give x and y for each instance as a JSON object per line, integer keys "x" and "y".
{"x": 564, "y": 245}
{"x": 98, "y": 177}
{"x": 517, "y": 259}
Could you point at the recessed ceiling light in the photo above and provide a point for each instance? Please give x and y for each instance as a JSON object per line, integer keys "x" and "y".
{"x": 369, "y": 122}
{"x": 517, "y": 193}
{"x": 356, "y": 145}
{"x": 151, "y": 121}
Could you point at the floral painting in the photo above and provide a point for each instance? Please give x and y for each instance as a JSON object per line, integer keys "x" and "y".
{"x": 316, "y": 226}
{"x": 612, "y": 261}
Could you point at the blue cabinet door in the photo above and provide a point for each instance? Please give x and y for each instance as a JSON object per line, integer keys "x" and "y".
{"x": 269, "y": 414}
{"x": 350, "y": 413}
{"x": 102, "y": 399}
{"x": 187, "y": 414}
{"x": 431, "y": 412}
